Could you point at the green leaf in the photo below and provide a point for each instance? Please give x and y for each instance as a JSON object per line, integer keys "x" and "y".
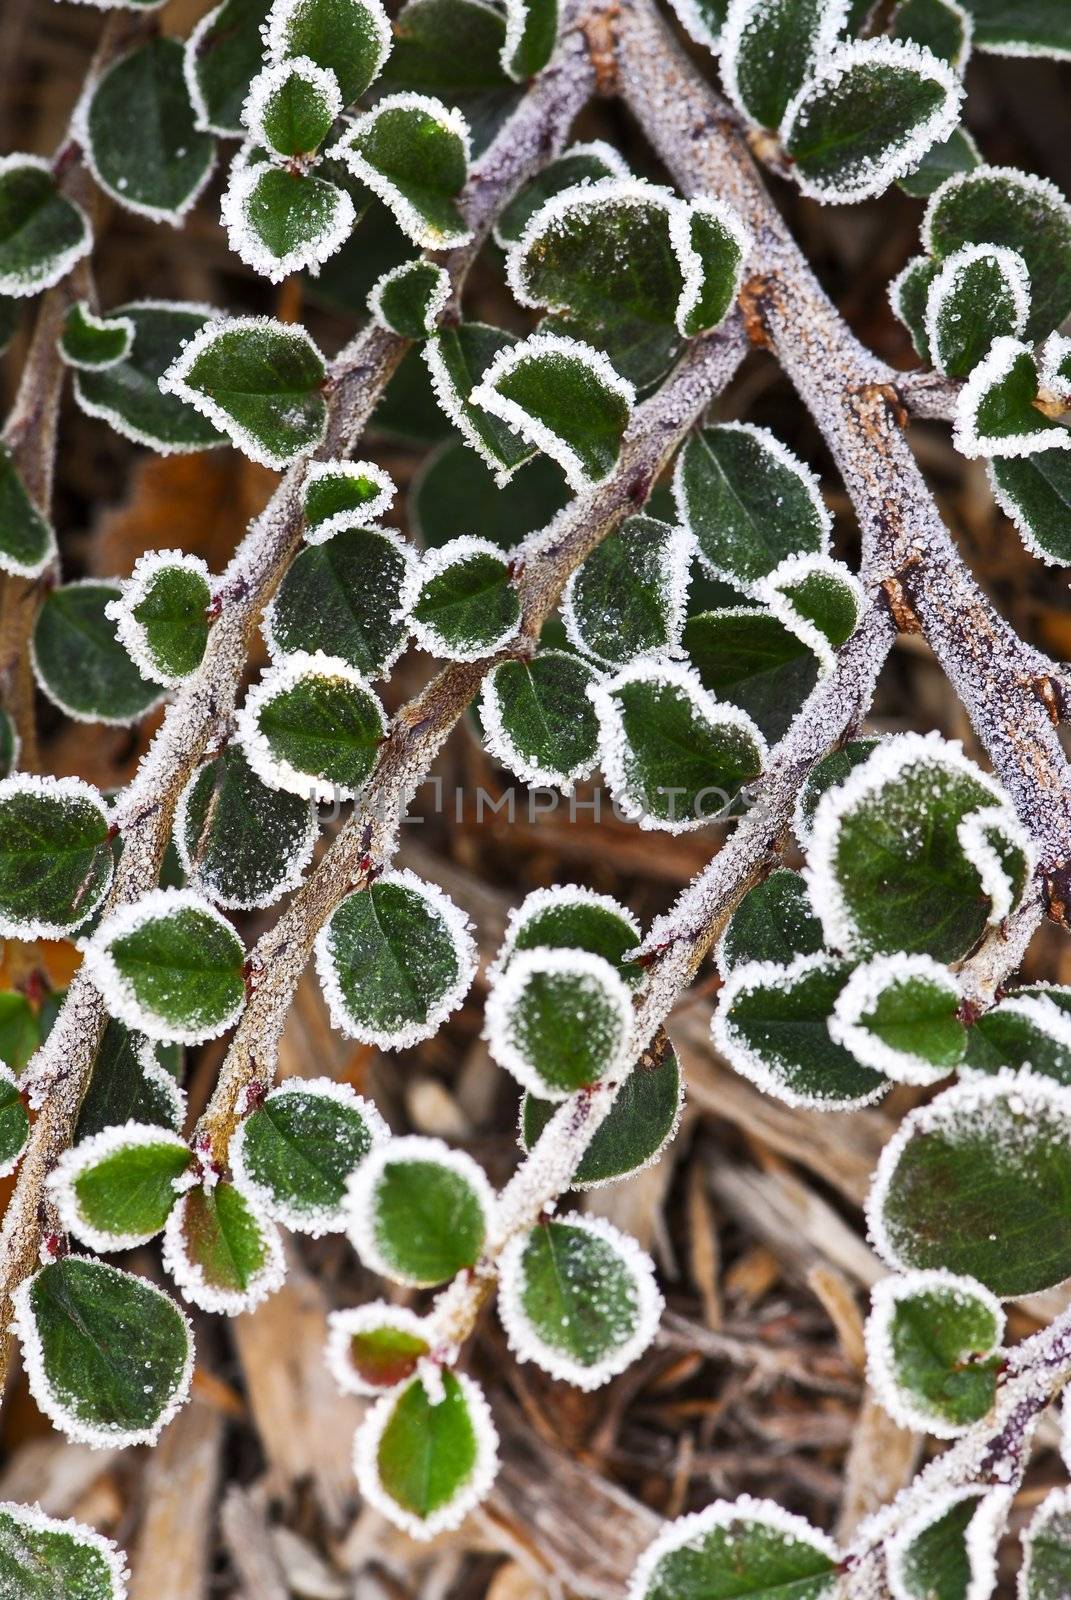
{"x": 940, "y": 26}
{"x": 283, "y": 221}
{"x": 55, "y": 856}
{"x": 394, "y": 960}
{"x": 748, "y": 501}
{"x": 673, "y": 757}
{"x": 769, "y": 49}
{"x": 343, "y": 494}
{"x": 899, "y": 1015}
{"x": 258, "y": 380}
{"x": 242, "y": 844}
{"x": 340, "y": 596}
{"x": 419, "y": 1211}
{"x": 746, "y": 655}
{"x": 454, "y": 491}
{"x": 448, "y": 47}
{"x": 828, "y": 773}
{"x": 79, "y": 662}
{"x": 461, "y": 601}
{"x": 948, "y": 1550}
{"x": 817, "y": 598}
{"x": 128, "y": 395}
{"x": 116, "y": 1190}
{"x": 139, "y": 136}
{"x": 42, "y": 233}
{"x": 427, "y": 1454}
{"x": 531, "y": 34}
{"x": 223, "y": 54}
{"x": 94, "y": 343}
{"x": 981, "y": 293}
{"x": 375, "y": 1346}
{"x": 27, "y": 539}
{"x": 456, "y": 359}
{"x": 772, "y": 1026}
{"x": 14, "y": 1123}
{"x": 1021, "y": 27}
{"x": 627, "y": 600}
{"x": 410, "y": 299}
{"x": 223, "y": 1253}
{"x": 986, "y": 1162}
{"x": 578, "y": 1297}
{"x": 20, "y": 1032}
{"x": 562, "y": 397}
{"x": 1046, "y": 1569}
{"x": 162, "y": 615}
{"x": 1035, "y": 492}
{"x": 45, "y": 1558}
{"x": 932, "y": 1345}
{"x": 292, "y": 107}
{"x": 866, "y": 117}
{"x": 169, "y": 965}
{"x": 1026, "y": 1029}
{"x": 350, "y": 38}
{"x": 581, "y": 163}
{"x": 1001, "y": 206}
{"x": 559, "y": 1020}
{"x": 313, "y": 727}
{"x": 568, "y": 917}
{"x": 719, "y": 247}
{"x": 128, "y": 1084}
{"x": 957, "y": 153}
{"x": 295, "y": 1152}
{"x": 908, "y": 292}
{"x": 773, "y": 922}
{"x": 995, "y": 411}
{"x": 738, "y": 1548}
{"x": 917, "y": 850}
{"x": 538, "y": 720}
{"x": 412, "y": 151}
{"x": 108, "y": 1355}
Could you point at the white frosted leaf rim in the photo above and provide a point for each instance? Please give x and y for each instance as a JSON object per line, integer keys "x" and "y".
{"x": 550, "y": 898}
{"x": 189, "y": 1276}
{"x": 47, "y": 788}
{"x": 945, "y": 284}
{"x": 592, "y": 972}
{"x": 19, "y": 286}
{"x": 116, "y": 991}
{"x": 276, "y": 29}
{"x": 690, "y": 1530}
{"x": 740, "y": 20}
{"x": 267, "y": 83}
{"x": 981, "y": 1537}
{"x": 525, "y": 1341}
{"x": 174, "y": 382}
{"x": 432, "y": 564}
{"x": 74, "y": 1163}
{"x": 983, "y": 856}
{"x": 97, "y": 1437}
{"x": 690, "y": 16}
{"x": 992, "y": 370}
{"x": 747, "y": 978}
{"x": 902, "y": 157}
{"x": 499, "y": 743}
{"x": 471, "y": 1493}
{"x": 411, "y": 221}
{"x": 460, "y": 930}
{"x": 884, "y": 765}
{"x": 1057, "y": 1503}
{"x": 1055, "y": 354}
{"x": 279, "y": 679}
{"x": 315, "y": 1221}
{"x": 198, "y": 879}
{"x": 191, "y": 55}
{"x": 101, "y": 325}
{"x": 691, "y": 263}
{"x": 359, "y": 516}
{"x": 906, "y": 1408}
{"x": 861, "y": 994}
{"x": 34, "y": 1520}
{"x": 613, "y": 743}
{"x": 675, "y": 577}
{"x": 1028, "y": 183}
{"x": 438, "y": 300}
{"x": 597, "y": 150}
{"x": 133, "y": 590}
{"x": 361, "y": 1205}
{"x": 342, "y": 1326}
{"x": 249, "y": 246}
{"x": 529, "y": 428}
{"x": 775, "y": 592}
{"x": 455, "y": 409}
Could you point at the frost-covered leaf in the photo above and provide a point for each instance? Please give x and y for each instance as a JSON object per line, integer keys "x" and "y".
{"x": 221, "y": 1249}
{"x": 242, "y": 843}
{"x": 456, "y": 359}
{"x": 128, "y": 1084}
{"x": 531, "y": 34}
{"x": 943, "y": 27}
{"x": 1022, "y": 27}
{"x": 986, "y": 1161}
{"x": 55, "y": 855}
{"x": 418, "y": 1211}
{"x": 394, "y": 960}
{"x": 1054, "y": 363}
{"x": 748, "y": 501}
{"x": 568, "y": 917}
{"x": 866, "y": 116}
{"x": 79, "y": 662}
{"x": 350, "y": 38}
{"x": 410, "y": 299}
{"x": 563, "y": 397}
{"x": 580, "y": 163}
{"x": 375, "y": 1346}
{"x": 452, "y": 48}
{"x": 737, "y": 1547}
{"x": 412, "y": 151}
{"x": 559, "y": 1020}
{"x": 343, "y": 494}
{"x": 14, "y": 1124}
{"x": 948, "y": 1550}
{"x": 139, "y": 136}
{"x": 128, "y": 395}
{"x": 260, "y": 381}
{"x": 42, "y": 233}
{"x": 27, "y": 539}
{"x": 427, "y": 1454}
{"x": 460, "y": 600}
{"x": 674, "y": 758}
{"x": 816, "y": 597}
{"x": 340, "y": 596}
{"x": 1002, "y": 206}
{"x": 538, "y": 720}
{"x": 94, "y": 343}
{"x": 640, "y": 1124}
{"x": 908, "y": 294}
{"x": 1035, "y": 492}
{"x": 899, "y": 1015}
{"x": 296, "y": 1151}
{"x": 107, "y": 1354}
{"x": 1028, "y": 1028}
{"x": 770, "y": 47}
{"x": 772, "y": 1025}
{"x": 312, "y": 726}
{"x": 917, "y": 850}
{"x": 46, "y": 1558}
{"x": 933, "y": 1350}
{"x": 957, "y": 153}
{"x": 1046, "y": 1569}
{"x": 223, "y": 54}
{"x": 627, "y": 600}
{"x": 169, "y": 965}
{"x": 981, "y": 293}
{"x": 281, "y": 221}
{"x": 995, "y": 410}
{"x": 162, "y": 615}
{"x": 116, "y": 1189}
{"x": 773, "y": 922}
{"x": 746, "y": 655}
{"x": 826, "y": 774}
{"x": 579, "y": 1298}
{"x": 291, "y": 107}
